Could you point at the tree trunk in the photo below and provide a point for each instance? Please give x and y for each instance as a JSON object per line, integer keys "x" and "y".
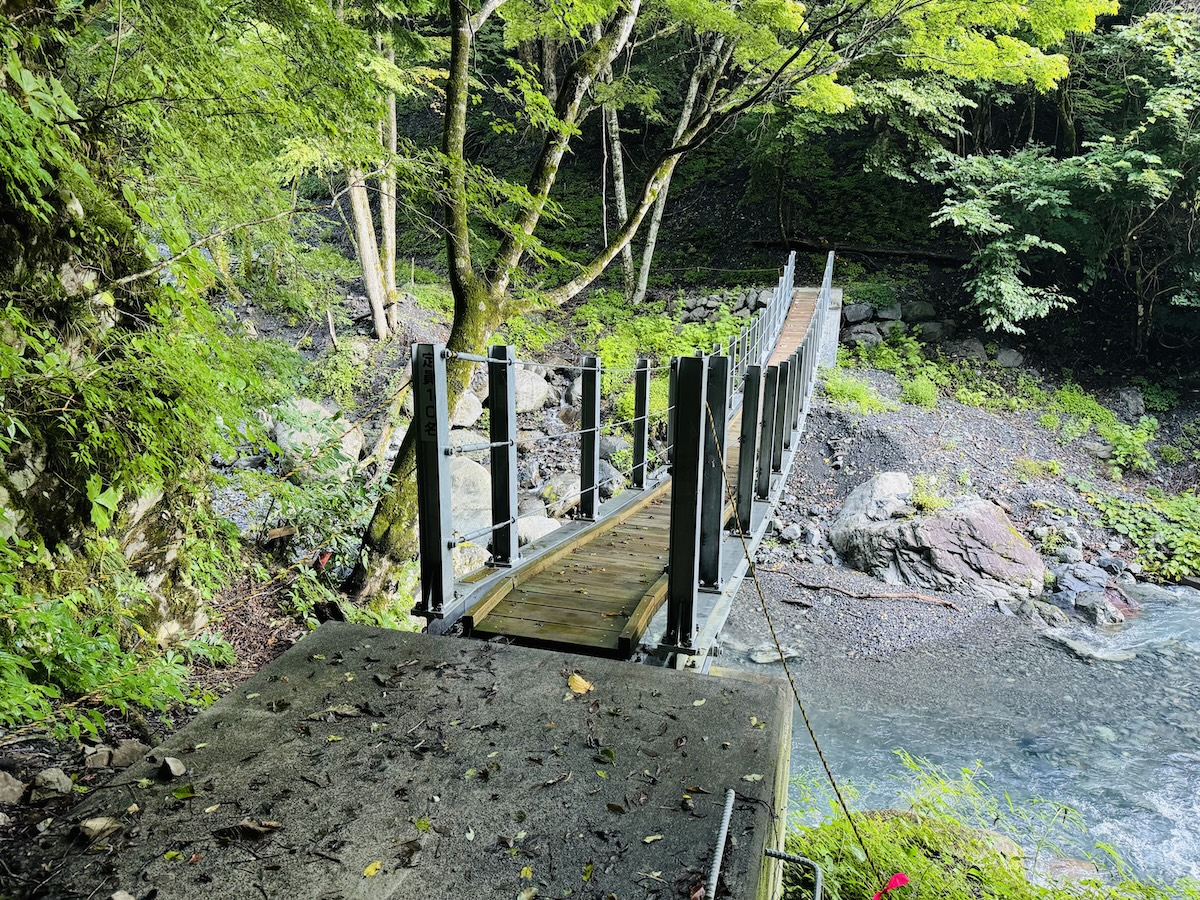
{"x": 616, "y": 153}
{"x": 660, "y": 204}
{"x": 387, "y": 205}
{"x": 368, "y": 250}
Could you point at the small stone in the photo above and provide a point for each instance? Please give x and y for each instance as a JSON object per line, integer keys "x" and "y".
{"x": 101, "y": 758}
{"x": 1005, "y": 609}
{"x": 127, "y": 753}
{"x": 5, "y": 821}
{"x": 1114, "y": 546}
{"x": 853, "y": 313}
{"x": 1070, "y": 554}
{"x": 122, "y": 895}
{"x": 51, "y": 783}
{"x": 1133, "y": 568}
{"x": 1008, "y": 358}
{"x": 891, "y": 313}
{"x": 11, "y": 789}
{"x": 792, "y": 533}
{"x": 1111, "y": 564}
{"x": 172, "y": 768}
{"x": 816, "y": 511}
{"x": 919, "y": 311}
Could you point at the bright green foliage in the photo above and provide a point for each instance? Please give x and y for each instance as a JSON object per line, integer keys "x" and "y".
{"x": 1123, "y": 204}
{"x": 853, "y": 393}
{"x": 1050, "y": 421}
{"x": 1131, "y": 446}
{"x": 1170, "y": 454}
{"x": 1037, "y": 469}
{"x": 952, "y": 838}
{"x": 67, "y": 637}
{"x": 919, "y": 391}
{"x": 926, "y": 494}
{"x": 1158, "y": 397}
{"x": 1164, "y": 529}
{"x": 530, "y": 334}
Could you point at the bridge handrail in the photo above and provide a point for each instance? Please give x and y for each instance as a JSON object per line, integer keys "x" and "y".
{"x": 732, "y": 372}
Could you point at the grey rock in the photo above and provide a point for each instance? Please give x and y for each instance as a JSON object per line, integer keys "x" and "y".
{"x": 529, "y": 505}
{"x": 1144, "y": 592}
{"x": 1051, "y": 614}
{"x": 1070, "y": 554}
{"x": 466, "y": 437}
{"x": 792, "y": 533}
{"x": 887, "y": 329}
{"x": 534, "y": 392}
{"x": 128, "y": 752}
{"x": 574, "y": 393}
{"x": 969, "y": 548}
{"x": 6, "y": 820}
{"x": 853, "y": 313}
{"x": 470, "y": 557}
{"x": 470, "y": 495}
{"x": 1098, "y": 448}
{"x": 534, "y": 528}
{"x": 965, "y": 348}
{"x": 172, "y": 767}
{"x": 99, "y": 758}
{"x": 11, "y": 789}
{"x": 933, "y": 331}
{"x": 919, "y": 311}
{"x": 612, "y": 482}
{"x": 50, "y": 783}
{"x": 1132, "y": 401}
{"x": 1007, "y": 358}
{"x": 1073, "y": 538}
{"x": 1111, "y": 564}
{"x": 467, "y": 412}
{"x": 1005, "y": 609}
{"x": 889, "y": 313}
{"x": 561, "y": 494}
{"x": 863, "y": 335}
{"x": 611, "y": 445}
{"x": 1097, "y": 609}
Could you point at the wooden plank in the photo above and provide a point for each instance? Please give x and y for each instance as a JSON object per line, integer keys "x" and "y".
{"x": 635, "y": 627}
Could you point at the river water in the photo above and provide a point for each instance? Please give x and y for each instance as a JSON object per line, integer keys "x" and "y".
{"x": 1117, "y": 739}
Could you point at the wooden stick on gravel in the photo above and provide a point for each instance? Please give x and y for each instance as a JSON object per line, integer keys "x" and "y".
{"x": 822, "y": 586}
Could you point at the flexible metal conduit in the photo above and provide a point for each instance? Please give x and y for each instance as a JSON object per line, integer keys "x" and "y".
{"x": 718, "y": 854}
{"x": 792, "y": 858}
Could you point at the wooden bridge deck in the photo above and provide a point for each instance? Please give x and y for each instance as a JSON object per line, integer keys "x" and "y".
{"x": 598, "y": 594}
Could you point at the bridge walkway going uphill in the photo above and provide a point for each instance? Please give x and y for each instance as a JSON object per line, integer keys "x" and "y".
{"x": 598, "y": 595}
{"x": 598, "y": 585}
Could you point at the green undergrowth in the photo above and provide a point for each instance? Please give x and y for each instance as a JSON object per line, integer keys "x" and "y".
{"x": 605, "y": 324}
{"x": 853, "y": 393}
{"x": 955, "y": 840}
{"x": 1163, "y": 528}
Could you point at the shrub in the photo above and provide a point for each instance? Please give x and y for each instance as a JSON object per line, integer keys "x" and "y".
{"x": 1131, "y": 446}
{"x": 925, "y": 495}
{"x": 1037, "y": 469}
{"x": 1170, "y": 454}
{"x": 1049, "y": 421}
{"x": 920, "y": 391}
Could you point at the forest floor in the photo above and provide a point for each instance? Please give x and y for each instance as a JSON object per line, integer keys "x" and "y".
{"x": 959, "y": 448}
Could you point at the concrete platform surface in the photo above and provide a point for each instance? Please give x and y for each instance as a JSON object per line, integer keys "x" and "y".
{"x": 373, "y": 764}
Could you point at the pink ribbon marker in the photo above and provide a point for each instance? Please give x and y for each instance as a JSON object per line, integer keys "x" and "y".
{"x": 897, "y": 880}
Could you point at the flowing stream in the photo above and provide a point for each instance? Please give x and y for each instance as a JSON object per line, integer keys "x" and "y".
{"x": 1118, "y": 739}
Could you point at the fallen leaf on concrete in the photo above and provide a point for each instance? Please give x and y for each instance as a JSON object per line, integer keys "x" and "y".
{"x": 558, "y": 779}
{"x": 372, "y": 869}
{"x": 578, "y": 684}
{"x": 410, "y": 853}
{"x": 752, "y": 777}
{"x": 616, "y": 808}
{"x": 184, "y": 792}
{"x": 98, "y": 828}
{"x": 341, "y": 711}
{"x": 651, "y": 838}
{"x": 529, "y": 893}
{"x": 699, "y": 702}
{"x": 248, "y": 829}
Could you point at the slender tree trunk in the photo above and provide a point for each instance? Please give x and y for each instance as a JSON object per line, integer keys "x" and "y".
{"x": 616, "y": 153}
{"x": 387, "y": 205}
{"x": 550, "y": 70}
{"x": 368, "y": 250}
{"x": 660, "y": 205}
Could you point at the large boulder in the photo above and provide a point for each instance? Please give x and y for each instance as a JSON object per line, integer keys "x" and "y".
{"x": 468, "y": 411}
{"x": 561, "y": 494}
{"x": 533, "y": 390}
{"x": 470, "y": 496}
{"x": 969, "y": 548}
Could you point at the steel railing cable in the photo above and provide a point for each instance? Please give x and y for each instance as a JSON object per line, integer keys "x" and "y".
{"x": 812, "y": 734}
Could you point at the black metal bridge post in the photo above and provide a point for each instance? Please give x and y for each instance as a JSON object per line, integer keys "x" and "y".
{"x": 790, "y": 400}
{"x": 779, "y": 435}
{"x": 684, "y": 557}
{"x": 672, "y": 407}
{"x": 712, "y": 490}
{"x": 751, "y": 391}
{"x": 589, "y": 469}
{"x": 766, "y": 438}
{"x": 502, "y": 432}
{"x": 641, "y": 421}
{"x": 808, "y": 352}
{"x": 432, "y": 421}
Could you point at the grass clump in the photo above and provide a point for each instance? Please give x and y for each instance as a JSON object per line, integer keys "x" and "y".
{"x": 1050, "y": 421}
{"x": 926, "y": 496}
{"x": 1170, "y": 454}
{"x": 853, "y": 393}
{"x": 1037, "y": 469}
{"x": 954, "y": 840}
{"x": 919, "y": 391}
